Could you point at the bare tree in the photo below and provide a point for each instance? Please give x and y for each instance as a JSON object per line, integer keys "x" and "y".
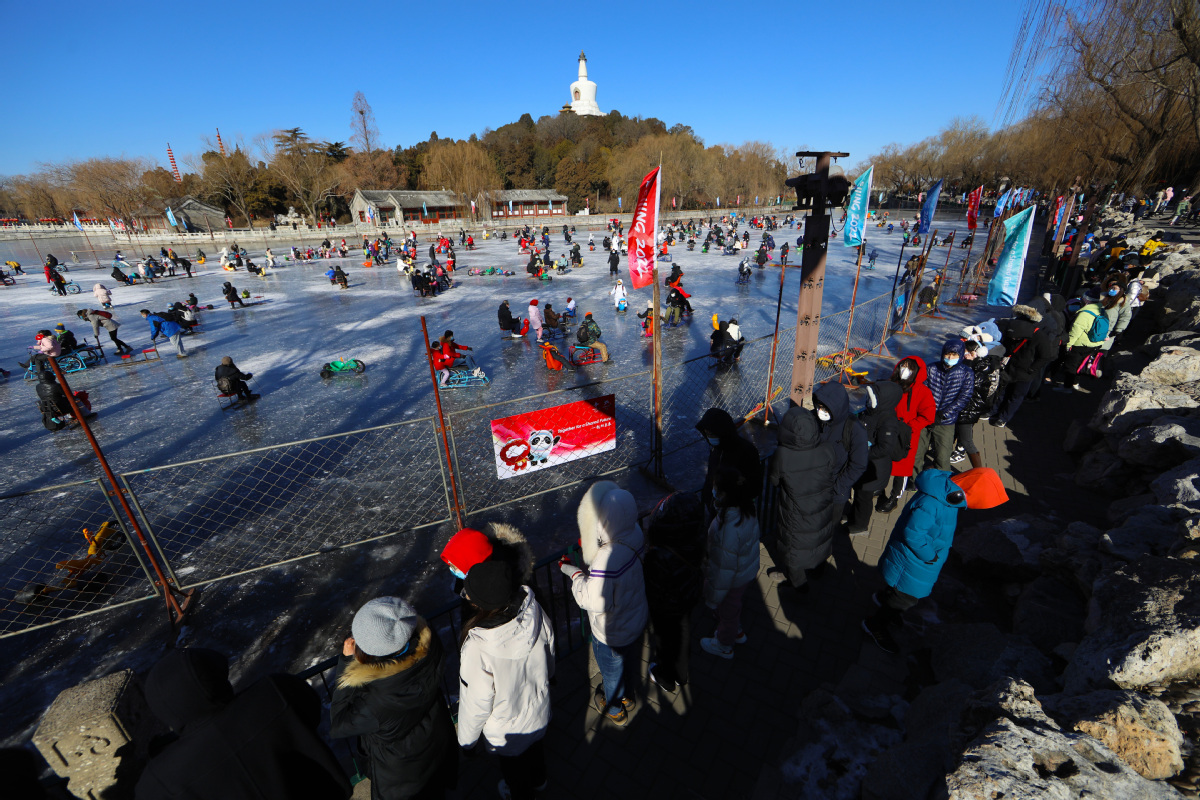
{"x": 107, "y": 185}
{"x": 462, "y": 167}
{"x": 364, "y": 134}
{"x": 231, "y": 177}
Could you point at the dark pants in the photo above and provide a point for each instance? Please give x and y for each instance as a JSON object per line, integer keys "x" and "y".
{"x": 120, "y": 345}
{"x": 1071, "y": 364}
{"x": 526, "y": 772}
{"x": 964, "y": 432}
{"x": 1039, "y": 377}
{"x": 671, "y": 643}
{"x": 894, "y": 603}
{"x": 60, "y": 287}
{"x": 873, "y": 481}
{"x": 1010, "y": 401}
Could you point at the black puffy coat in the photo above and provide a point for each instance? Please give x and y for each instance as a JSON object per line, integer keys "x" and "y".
{"x": 675, "y": 547}
{"x": 260, "y": 743}
{"x": 733, "y": 451}
{"x": 842, "y": 432}
{"x": 397, "y": 711}
{"x": 889, "y": 438}
{"x": 504, "y": 317}
{"x": 805, "y": 470}
{"x": 987, "y": 380}
{"x": 1025, "y": 339}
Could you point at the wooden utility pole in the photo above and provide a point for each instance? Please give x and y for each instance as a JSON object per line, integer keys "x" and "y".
{"x": 812, "y": 189}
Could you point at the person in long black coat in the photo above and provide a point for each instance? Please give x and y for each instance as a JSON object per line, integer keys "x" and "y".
{"x": 889, "y": 442}
{"x": 727, "y": 449}
{"x": 394, "y": 705}
{"x": 805, "y": 469}
{"x": 259, "y": 743}
{"x": 832, "y": 406}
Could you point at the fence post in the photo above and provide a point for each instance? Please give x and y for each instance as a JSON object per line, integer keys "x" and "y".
{"x": 173, "y": 606}
{"x": 437, "y": 396}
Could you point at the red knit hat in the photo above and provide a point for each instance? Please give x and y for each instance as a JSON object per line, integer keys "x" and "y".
{"x": 465, "y": 549}
{"x": 533, "y": 302}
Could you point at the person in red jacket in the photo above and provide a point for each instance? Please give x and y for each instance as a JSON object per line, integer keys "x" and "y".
{"x": 444, "y": 354}
{"x": 917, "y": 410}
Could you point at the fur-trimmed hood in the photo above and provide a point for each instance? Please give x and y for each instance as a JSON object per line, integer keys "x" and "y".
{"x": 509, "y": 544}
{"x": 1028, "y": 312}
{"x": 356, "y": 675}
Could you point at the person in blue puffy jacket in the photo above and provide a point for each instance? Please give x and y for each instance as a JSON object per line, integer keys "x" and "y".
{"x": 921, "y": 540}
{"x": 952, "y": 383}
{"x": 167, "y": 328}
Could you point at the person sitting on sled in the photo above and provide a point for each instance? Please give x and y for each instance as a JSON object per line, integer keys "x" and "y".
{"x": 446, "y": 354}
{"x": 647, "y": 318}
{"x": 231, "y": 380}
{"x": 620, "y": 299}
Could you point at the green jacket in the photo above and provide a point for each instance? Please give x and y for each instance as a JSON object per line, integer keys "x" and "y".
{"x": 1083, "y": 324}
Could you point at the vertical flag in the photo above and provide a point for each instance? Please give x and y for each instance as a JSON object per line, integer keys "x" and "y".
{"x": 755, "y": 199}
{"x": 642, "y": 230}
{"x": 739, "y": 200}
{"x": 371, "y": 214}
{"x": 587, "y": 202}
{"x": 112, "y": 224}
{"x": 1003, "y": 202}
{"x": 718, "y": 201}
{"x": 973, "y": 208}
{"x": 1003, "y": 288}
{"x": 174, "y": 166}
{"x": 424, "y": 209}
{"x": 672, "y": 202}
{"x": 510, "y": 208}
{"x": 171, "y": 217}
{"x": 75, "y": 214}
{"x": 220, "y": 144}
{"x": 930, "y": 206}
{"x": 618, "y": 204}
{"x": 229, "y": 222}
{"x": 856, "y": 212}
{"x": 472, "y": 206}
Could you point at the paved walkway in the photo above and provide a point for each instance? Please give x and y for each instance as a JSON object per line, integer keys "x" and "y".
{"x": 727, "y": 732}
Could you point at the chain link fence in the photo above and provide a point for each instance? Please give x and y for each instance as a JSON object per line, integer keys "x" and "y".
{"x": 224, "y": 516}
{"x": 65, "y": 554}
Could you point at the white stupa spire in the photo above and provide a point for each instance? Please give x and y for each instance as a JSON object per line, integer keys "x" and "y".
{"x": 583, "y": 93}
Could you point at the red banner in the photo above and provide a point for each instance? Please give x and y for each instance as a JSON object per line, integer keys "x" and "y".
{"x": 973, "y": 208}
{"x": 536, "y": 440}
{"x": 643, "y": 230}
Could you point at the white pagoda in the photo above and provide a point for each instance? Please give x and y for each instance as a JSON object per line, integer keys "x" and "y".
{"x": 583, "y": 93}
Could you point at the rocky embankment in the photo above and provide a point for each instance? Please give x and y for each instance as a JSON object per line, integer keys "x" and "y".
{"x": 1081, "y": 676}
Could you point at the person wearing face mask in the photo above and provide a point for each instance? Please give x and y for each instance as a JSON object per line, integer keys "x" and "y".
{"x": 921, "y": 540}
{"x": 727, "y": 448}
{"x": 916, "y": 410}
{"x": 832, "y": 404}
{"x": 951, "y": 383}
{"x": 889, "y": 440}
{"x": 1119, "y": 316}
{"x": 985, "y": 366}
{"x": 1027, "y": 338}
{"x": 497, "y": 541}
{"x": 1088, "y": 332}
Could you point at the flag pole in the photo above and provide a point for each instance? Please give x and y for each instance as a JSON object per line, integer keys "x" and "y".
{"x": 88, "y": 239}
{"x": 853, "y": 297}
{"x": 657, "y": 335}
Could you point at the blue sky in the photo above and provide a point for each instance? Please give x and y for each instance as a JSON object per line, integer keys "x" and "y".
{"x": 102, "y": 79}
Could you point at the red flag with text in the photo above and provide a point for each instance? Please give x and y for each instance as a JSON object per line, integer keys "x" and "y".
{"x": 643, "y": 231}
{"x": 973, "y": 208}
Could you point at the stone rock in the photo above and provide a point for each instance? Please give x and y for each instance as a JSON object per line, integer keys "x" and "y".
{"x": 1074, "y": 556}
{"x": 1049, "y": 613}
{"x": 1180, "y": 485}
{"x": 1133, "y": 401}
{"x": 1102, "y": 470}
{"x": 1118, "y": 510}
{"x": 979, "y": 654}
{"x": 1151, "y": 530}
{"x": 96, "y": 734}
{"x": 1158, "y": 341}
{"x": 1139, "y": 729}
{"x": 1166, "y": 442}
{"x": 1079, "y": 438}
{"x": 1008, "y": 548}
{"x": 1174, "y": 366}
{"x": 1148, "y": 631}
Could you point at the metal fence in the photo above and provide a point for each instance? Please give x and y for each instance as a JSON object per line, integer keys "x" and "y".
{"x": 216, "y": 518}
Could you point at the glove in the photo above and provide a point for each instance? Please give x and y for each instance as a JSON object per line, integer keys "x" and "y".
{"x": 941, "y": 415}
{"x": 568, "y": 569}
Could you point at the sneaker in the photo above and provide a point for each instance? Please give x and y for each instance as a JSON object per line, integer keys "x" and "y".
{"x": 1000, "y": 423}
{"x": 741, "y": 637}
{"x": 179, "y": 356}
{"x": 619, "y": 717}
{"x": 713, "y": 647}
{"x": 881, "y": 637}
{"x": 667, "y": 686}
{"x": 957, "y": 456}
{"x": 776, "y": 575}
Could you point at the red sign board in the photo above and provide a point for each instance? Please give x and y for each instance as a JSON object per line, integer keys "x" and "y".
{"x": 545, "y": 438}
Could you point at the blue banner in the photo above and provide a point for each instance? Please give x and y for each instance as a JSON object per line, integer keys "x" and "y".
{"x": 424, "y": 210}
{"x": 1006, "y": 283}
{"x": 510, "y": 208}
{"x": 856, "y": 211}
{"x": 171, "y": 217}
{"x": 1002, "y": 202}
{"x": 618, "y": 203}
{"x": 75, "y": 214}
{"x": 931, "y": 201}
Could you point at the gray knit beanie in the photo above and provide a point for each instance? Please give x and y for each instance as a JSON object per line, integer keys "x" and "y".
{"x": 384, "y": 626}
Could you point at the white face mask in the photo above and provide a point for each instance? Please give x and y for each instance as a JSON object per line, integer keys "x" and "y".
{"x": 905, "y": 373}
{"x": 823, "y": 415}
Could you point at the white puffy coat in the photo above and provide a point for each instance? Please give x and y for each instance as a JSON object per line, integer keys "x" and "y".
{"x": 732, "y": 554}
{"x": 504, "y": 681}
{"x": 612, "y": 589}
